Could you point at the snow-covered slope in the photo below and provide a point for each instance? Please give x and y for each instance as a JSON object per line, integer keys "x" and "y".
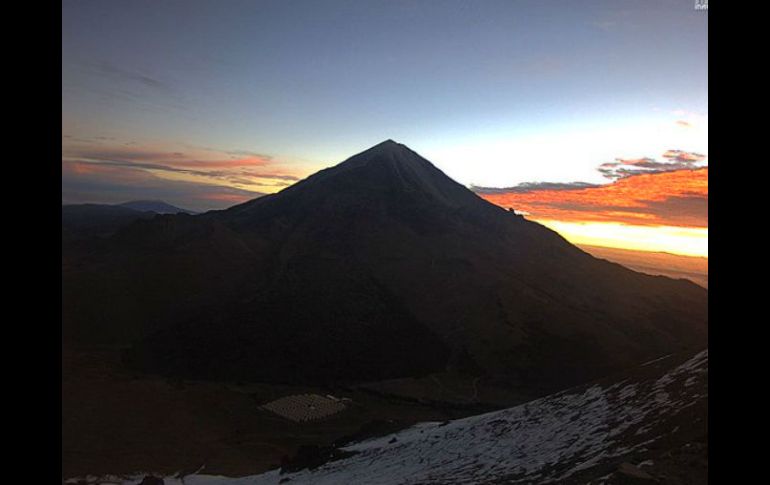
{"x": 575, "y": 436}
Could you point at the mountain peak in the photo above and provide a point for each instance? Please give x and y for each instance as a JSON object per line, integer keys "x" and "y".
{"x": 389, "y": 143}
{"x": 387, "y": 174}
{"x": 388, "y": 146}
{"x": 391, "y": 167}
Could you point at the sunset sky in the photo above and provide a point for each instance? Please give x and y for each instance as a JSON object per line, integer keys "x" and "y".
{"x": 590, "y": 117}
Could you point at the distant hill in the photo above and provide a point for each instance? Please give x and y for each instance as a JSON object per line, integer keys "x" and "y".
{"x": 84, "y": 221}
{"x": 157, "y": 206}
{"x": 692, "y": 268}
{"x": 380, "y": 267}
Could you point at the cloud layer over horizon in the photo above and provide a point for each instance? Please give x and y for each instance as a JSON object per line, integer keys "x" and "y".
{"x": 644, "y": 192}
{"x": 198, "y": 178}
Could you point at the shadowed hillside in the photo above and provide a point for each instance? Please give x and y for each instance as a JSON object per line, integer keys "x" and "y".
{"x": 379, "y": 267}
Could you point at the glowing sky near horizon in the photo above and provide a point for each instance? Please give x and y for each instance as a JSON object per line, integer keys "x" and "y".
{"x": 207, "y": 104}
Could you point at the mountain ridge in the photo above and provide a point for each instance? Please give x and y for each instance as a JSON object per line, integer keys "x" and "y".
{"x": 157, "y": 206}
{"x": 289, "y": 287}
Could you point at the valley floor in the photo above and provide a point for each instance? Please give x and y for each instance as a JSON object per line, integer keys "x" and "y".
{"x": 116, "y": 421}
{"x": 646, "y": 425}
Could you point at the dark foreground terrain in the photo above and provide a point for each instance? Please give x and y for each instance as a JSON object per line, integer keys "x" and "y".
{"x": 115, "y": 421}
{"x": 647, "y": 425}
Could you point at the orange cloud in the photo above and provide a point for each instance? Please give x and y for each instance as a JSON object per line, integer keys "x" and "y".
{"x": 201, "y": 158}
{"x": 82, "y": 168}
{"x": 672, "y": 198}
{"x": 226, "y": 197}
{"x": 682, "y": 156}
{"x": 234, "y": 168}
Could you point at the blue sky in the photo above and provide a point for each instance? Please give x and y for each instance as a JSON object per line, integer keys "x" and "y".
{"x": 496, "y": 93}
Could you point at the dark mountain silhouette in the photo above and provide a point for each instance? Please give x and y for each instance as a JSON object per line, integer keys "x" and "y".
{"x": 83, "y": 221}
{"x": 157, "y": 206}
{"x": 379, "y": 267}
{"x": 80, "y": 221}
